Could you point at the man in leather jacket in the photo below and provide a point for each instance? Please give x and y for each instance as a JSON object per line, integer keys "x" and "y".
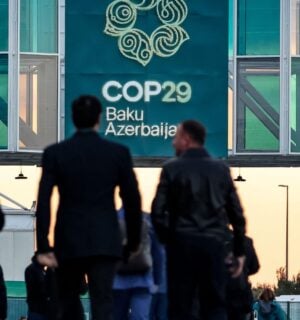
{"x": 195, "y": 199}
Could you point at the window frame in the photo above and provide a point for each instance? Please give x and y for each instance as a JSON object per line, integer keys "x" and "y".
{"x": 285, "y": 71}
{"x": 14, "y": 71}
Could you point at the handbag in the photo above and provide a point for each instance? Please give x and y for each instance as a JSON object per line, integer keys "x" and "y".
{"x": 141, "y": 261}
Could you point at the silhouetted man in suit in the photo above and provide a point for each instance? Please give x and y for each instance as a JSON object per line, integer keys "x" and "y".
{"x": 194, "y": 200}
{"x": 87, "y": 169}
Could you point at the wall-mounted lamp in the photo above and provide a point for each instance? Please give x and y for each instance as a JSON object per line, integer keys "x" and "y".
{"x": 239, "y": 177}
{"x": 20, "y": 175}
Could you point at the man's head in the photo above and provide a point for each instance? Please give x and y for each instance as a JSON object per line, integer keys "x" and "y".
{"x": 86, "y": 112}
{"x": 190, "y": 134}
{"x": 267, "y": 295}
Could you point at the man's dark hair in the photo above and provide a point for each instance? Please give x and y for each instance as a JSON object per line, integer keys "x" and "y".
{"x": 195, "y": 130}
{"x": 86, "y": 111}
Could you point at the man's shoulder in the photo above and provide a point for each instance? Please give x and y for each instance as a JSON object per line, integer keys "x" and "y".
{"x": 51, "y": 150}
{"x": 219, "y": 163}
{"x": 71, "y": 142}
{"x": 31, "y": 268}
{"x": 170, "y": 162}
{"x": 181, "y": 161}
{"x": 115, "y": 145}
{"x": 54, "y": 150}
{"x": 57, "y": 146}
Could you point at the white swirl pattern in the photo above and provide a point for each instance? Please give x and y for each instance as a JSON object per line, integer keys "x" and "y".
{"x": 171, "y": 12}
{"x": 134, "y": 43}
{"x": 144, "y": 4}
{"x": 166, "y": 40}
{"x": 120, "y": 17}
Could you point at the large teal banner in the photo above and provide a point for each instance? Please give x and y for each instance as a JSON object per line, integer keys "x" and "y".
{"x": 152, "y": 63}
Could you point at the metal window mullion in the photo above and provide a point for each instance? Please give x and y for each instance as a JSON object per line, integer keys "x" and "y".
{"x": 13, "y": 76}
{"x": 234, "y": 73}
{"x": 30, "y": 98}
{"x": 284, "y": 76}
{"x": 61, "y": 70}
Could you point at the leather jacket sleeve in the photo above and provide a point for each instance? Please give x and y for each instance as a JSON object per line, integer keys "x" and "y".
{"x": 252, "y": 262}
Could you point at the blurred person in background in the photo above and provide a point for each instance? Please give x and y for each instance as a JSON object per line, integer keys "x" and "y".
{"x": 266, "y": 308}
{"x": 37, "y": 291}
{"x": 159, "y": 303}
{"x": 238, "y": 293}
{"x": 133, "y": 283}
{"x": 42, "y": 292}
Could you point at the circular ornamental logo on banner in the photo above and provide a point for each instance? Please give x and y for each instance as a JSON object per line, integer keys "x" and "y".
{"x": 134, "y": 43}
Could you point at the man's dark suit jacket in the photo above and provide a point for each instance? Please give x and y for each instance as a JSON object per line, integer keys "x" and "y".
{"x": 87, "y": 169}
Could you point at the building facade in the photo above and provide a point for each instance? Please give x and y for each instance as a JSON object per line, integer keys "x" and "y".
{"x": 264, "y": 73}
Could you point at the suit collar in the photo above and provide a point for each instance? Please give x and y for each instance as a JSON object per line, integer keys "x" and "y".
{"x": 84, "y": 132}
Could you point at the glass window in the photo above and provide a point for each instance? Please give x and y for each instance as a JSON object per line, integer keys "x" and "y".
{"x": 258, "y": 27}
{"x": 295, "y": 106}
{"x": 3, "y": 25}
{"x": 258, "y": 105}
{"x": 38, "y": 26}
{"x": 38, "y": 101}
{"x": 295, "y": 27}
{"x": 3, "y": 100}
{"x": 230, "y": 29}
